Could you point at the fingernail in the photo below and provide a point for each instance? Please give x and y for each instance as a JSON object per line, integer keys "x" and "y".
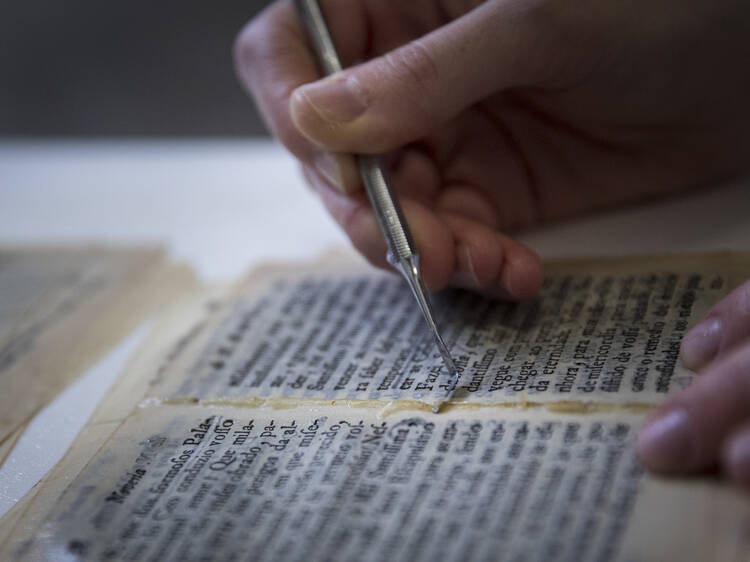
{"x": 338, "y": 99}
{"x": 333, "y": 167}
{"x": 738, "y": 458}
{"x": 465, "y": 274}
{"x": 701, "y": 343}
{"x": 507, "y": 282}
{"x": 665, "y": 443}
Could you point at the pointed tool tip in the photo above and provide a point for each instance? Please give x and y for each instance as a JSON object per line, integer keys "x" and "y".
{"x": 454, "y": 374}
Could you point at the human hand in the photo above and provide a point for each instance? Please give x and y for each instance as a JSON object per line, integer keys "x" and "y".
{"x": 504, "y": 114}
{"x": 708, "y": 424}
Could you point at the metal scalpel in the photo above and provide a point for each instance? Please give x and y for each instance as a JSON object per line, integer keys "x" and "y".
{"x": 402, "y": 253}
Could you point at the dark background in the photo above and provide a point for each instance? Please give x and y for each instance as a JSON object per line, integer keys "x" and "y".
{"x": 85, "y": 67}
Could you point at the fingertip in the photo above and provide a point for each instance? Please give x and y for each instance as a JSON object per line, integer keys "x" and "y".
{"x": 522, "y": 275}
{"x": 701, "y": 344}
{"x": 737, "y": 458}
{"x": 434, "y": 241}
{"x": 691, "y": 432}
{"x": 665, "y": 442}
{"x": 493, "y": 263}
{"x": 465, "y": 273}
{"x": 720, "y": 332}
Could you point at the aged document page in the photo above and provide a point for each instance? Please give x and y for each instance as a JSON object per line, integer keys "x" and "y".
{"x": 169, "y": 333}
{"x": 602, "y": 332}
{"x": 291, "y": 420}
{"x": 62, "y": 308}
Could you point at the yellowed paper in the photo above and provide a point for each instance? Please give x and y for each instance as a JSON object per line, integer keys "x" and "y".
{"x": 329, "y": 485}
{"x": 9, "y": 521}
{"x": 62, "y": 308}
{"x": 207, "y": 469}
{"x": 169, "y": 334}
{"x": 7, "y": 446}
{"x": 603, "y": 332}
{"x": 688, "y": 519}
{"x": 192, "y": 483}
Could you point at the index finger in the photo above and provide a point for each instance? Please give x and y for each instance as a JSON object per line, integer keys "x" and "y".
{"x": 272, "y": 59}
{"x": 687, "y": 433}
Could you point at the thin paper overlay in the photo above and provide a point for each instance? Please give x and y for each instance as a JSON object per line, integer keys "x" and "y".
{"x": 176, "y": 485}
{"x": 600, "y": 333}
{"x": 299, "y": 473}
{"x": 61, "y": 308}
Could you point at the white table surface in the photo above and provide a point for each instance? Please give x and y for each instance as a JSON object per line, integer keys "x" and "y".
{"x": 225, "y": 205}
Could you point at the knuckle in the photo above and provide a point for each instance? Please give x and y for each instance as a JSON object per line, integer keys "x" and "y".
{"x": 257, "y": 45}
{"x": 415, "y": 64}
{"x": 245, "y": 49}
{"x": 743, "y": 301}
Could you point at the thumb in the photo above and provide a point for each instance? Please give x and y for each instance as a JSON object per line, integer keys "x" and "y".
{"x": 398, "y": 97}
